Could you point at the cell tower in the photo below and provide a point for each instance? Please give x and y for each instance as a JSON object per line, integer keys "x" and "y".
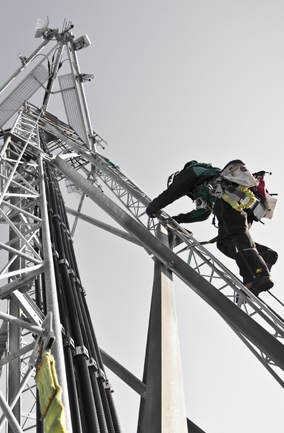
{"x": 52, "y": 370}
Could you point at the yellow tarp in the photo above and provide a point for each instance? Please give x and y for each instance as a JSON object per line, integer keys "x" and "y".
{"x": 50, "y": 394}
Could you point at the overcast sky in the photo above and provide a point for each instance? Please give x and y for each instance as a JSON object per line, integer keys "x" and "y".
{"x": 175, "y": 81}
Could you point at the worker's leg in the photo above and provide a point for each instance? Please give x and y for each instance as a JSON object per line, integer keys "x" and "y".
{"x": 270, "y": 256}
{"x": 235, "y": 241}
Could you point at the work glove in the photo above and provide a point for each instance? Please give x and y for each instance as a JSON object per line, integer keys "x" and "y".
{"x": 176, "y": 218}
{"x": 151, "y": 210}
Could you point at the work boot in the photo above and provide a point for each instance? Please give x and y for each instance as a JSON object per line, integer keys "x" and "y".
{"x": 260, "y": 285}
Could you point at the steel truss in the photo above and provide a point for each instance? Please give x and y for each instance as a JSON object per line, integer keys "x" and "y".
{"x": 22, "y": 255}
{"x": 72, "y": 156}
{"x": 34, "y": 212}
{"x": 195, "y": 255}
{"x": 40, "y": 278}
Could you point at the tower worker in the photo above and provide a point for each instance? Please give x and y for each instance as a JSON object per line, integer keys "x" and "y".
{"x": 228, "y": 194}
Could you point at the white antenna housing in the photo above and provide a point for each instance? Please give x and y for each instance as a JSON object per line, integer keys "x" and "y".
{"x": 41, "y": 27}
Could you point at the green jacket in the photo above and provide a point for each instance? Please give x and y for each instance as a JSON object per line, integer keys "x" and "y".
{"x": 189, "y": 182}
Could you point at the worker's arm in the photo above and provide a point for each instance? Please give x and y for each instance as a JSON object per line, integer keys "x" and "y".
{"x": 176, "y": 190}
{"x": 193, "y": 216}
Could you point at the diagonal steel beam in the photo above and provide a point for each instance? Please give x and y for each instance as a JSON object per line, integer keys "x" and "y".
{"x": 104, "y": 226}
{"x": 124, "y": 374}
{"x": 22, "y": 282}
{"x": 9, "y": 415}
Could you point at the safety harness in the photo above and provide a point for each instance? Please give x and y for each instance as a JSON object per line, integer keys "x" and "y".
{"x": 238, "y": 196}
{"x": 226, "y": 186}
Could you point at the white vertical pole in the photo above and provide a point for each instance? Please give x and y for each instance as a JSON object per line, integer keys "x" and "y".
{"x": 173, "y": 405}
{"x": 163, "y": 408}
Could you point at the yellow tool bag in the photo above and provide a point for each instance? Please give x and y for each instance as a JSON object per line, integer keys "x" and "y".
{"x": 50, "y": 396}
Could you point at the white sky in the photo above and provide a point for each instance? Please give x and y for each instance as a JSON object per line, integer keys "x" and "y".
{"x": 175, "y": 81}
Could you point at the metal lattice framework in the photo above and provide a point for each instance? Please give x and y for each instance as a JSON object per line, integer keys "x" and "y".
{"x": 22, "y": 257}
{"x": 93, "y": 166}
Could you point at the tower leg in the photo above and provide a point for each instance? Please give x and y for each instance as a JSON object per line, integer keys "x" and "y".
{"x": 163, "y": 409}
{"x": 14, "y": 368}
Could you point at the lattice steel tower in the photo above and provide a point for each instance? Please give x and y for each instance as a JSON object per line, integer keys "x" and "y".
{"x": 43, "y": 304}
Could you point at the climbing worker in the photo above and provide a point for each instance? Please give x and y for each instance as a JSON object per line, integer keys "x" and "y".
{"x": 227, "y": 193}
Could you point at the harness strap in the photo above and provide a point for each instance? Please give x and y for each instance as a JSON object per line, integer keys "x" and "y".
{"x": 227, "y": 197}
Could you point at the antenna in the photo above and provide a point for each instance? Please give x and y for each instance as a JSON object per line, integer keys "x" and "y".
{"x": 41, "y": 27}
